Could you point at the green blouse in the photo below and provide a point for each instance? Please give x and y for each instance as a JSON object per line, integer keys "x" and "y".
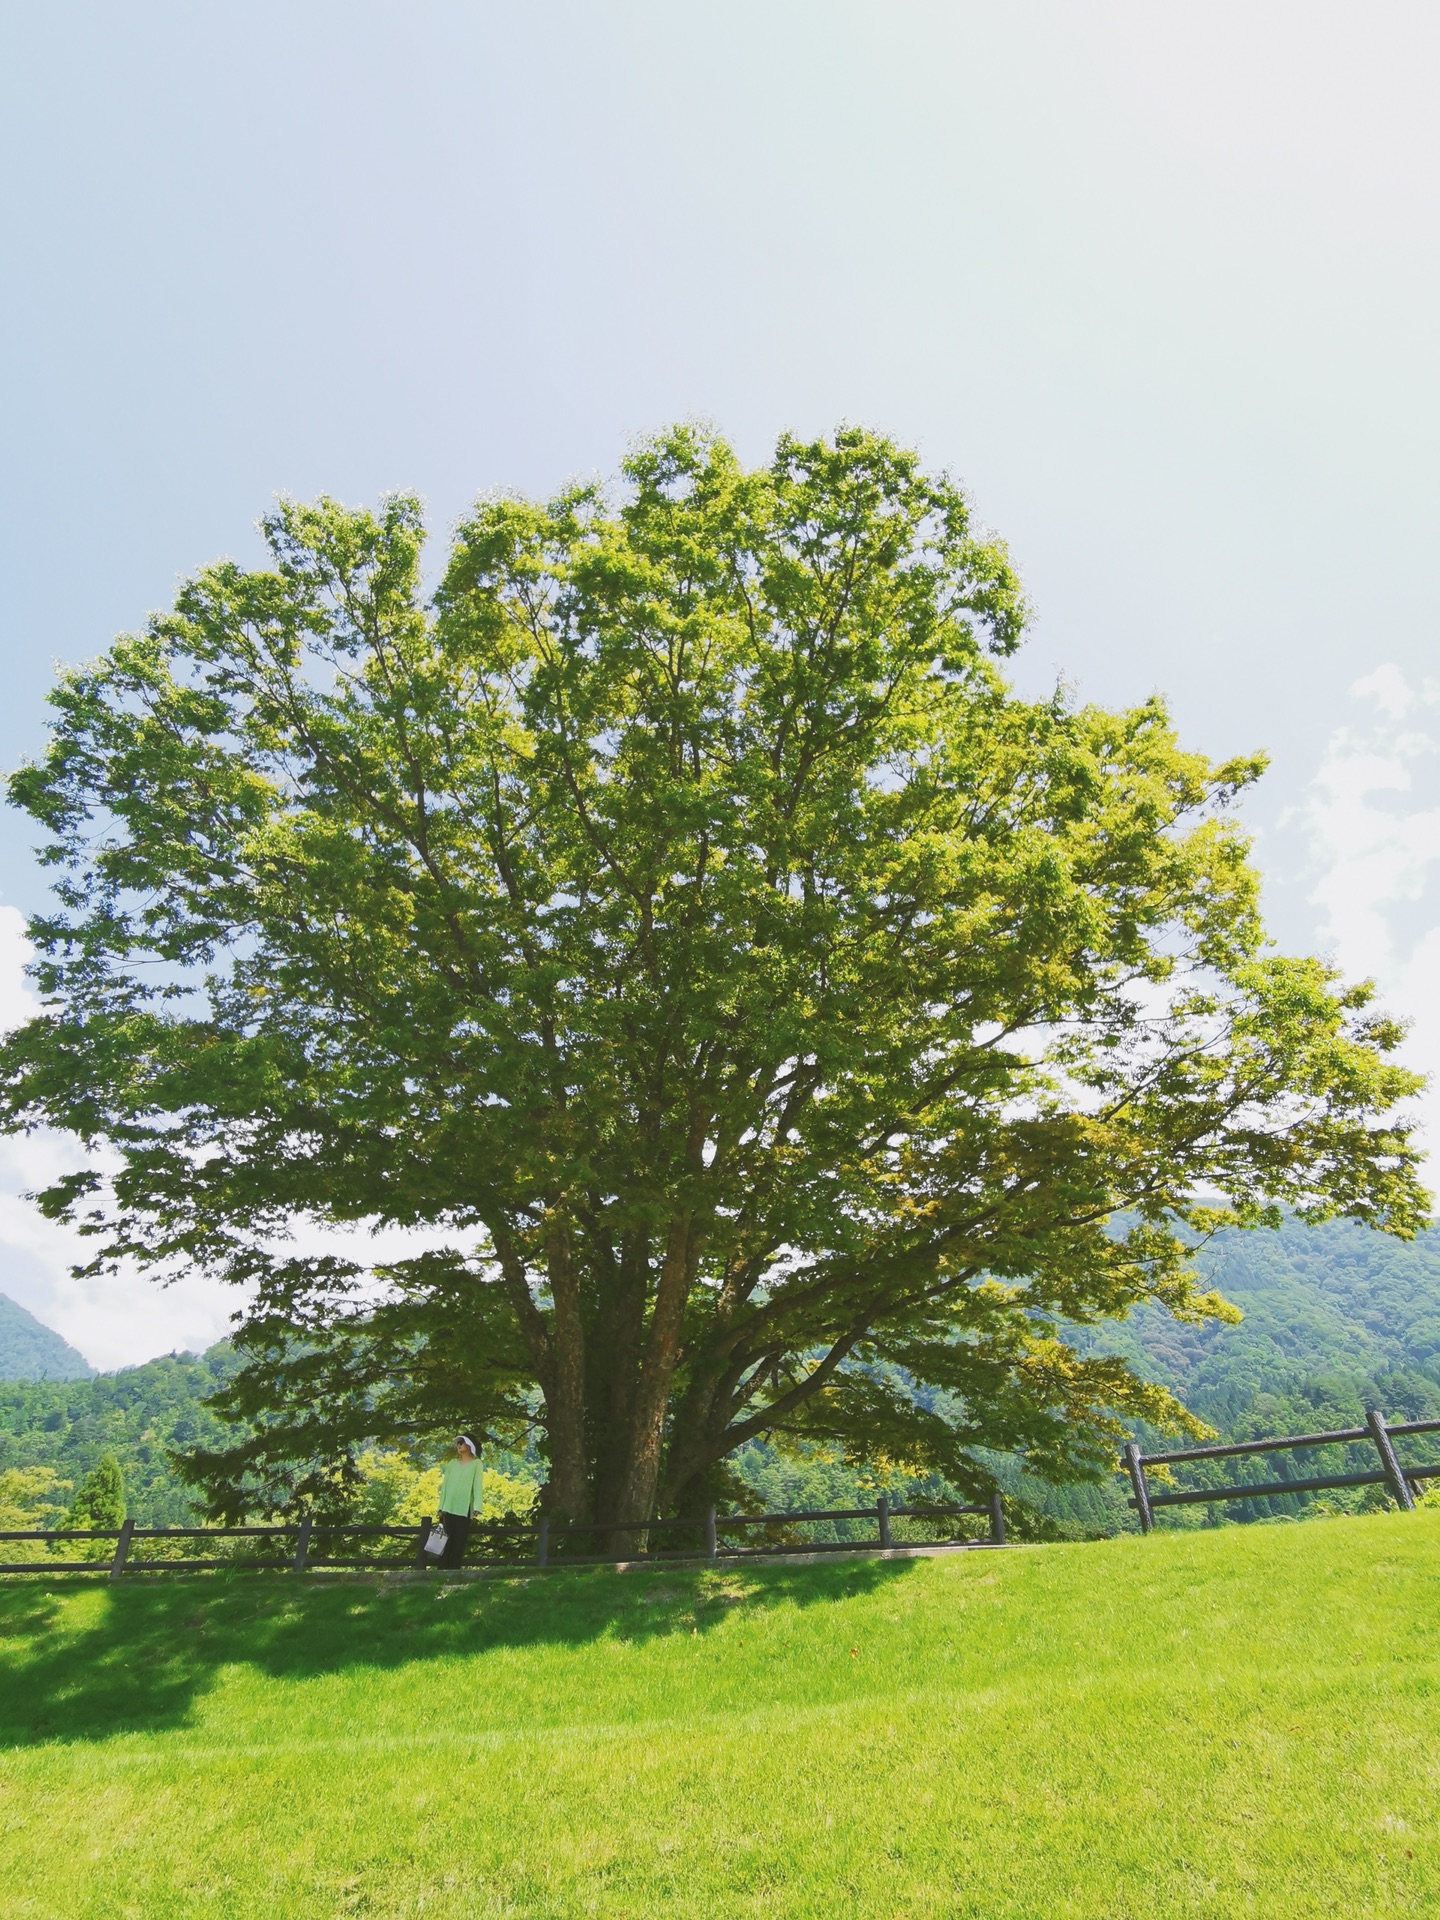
{"x": 460, "y": 1486}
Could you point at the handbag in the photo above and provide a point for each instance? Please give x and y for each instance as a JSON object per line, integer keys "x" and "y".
{"x": 435, "y": 1541}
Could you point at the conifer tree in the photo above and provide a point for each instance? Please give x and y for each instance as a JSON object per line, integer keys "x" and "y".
{"x": 100, "y": 1503}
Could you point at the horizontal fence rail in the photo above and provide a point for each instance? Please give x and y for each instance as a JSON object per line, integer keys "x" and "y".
{"x": 306, "y": 1543}
{"x": 1398, "y": 1477}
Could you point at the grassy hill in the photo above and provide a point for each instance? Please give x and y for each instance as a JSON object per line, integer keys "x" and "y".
{"x": 1240, "y": 1722}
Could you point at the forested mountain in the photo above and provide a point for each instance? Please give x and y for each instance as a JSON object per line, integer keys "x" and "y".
{"x": 1336, "y": 1319}
{"x": 140, "y": 1415}
{"x": 1320, "y": 1304}
{"x": 29, "y": 1350}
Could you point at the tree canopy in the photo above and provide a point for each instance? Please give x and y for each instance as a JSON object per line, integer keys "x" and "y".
{"x": 759, "y": 1011}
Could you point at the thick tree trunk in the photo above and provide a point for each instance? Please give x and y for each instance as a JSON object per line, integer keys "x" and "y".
{"x": 557, "y": 1351}
{"x": 565, "y": 1398}
{"x": 715, "y": 1372}
{"x": 657, "y": 1373}
{"x": 612, "y": 1358}
{"x": 704, "y": 1412}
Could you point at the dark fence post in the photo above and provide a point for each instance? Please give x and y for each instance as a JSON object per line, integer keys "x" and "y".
{"x": 421, "y": 1537}
{"x": 1394, "y": 1476}
{"x": 997, "y": 1520}
{"x": 882, "y": 1514}
{"x": 122, "y": 1549}
{"x": 1136, "y": 1465}
{"x": 542, "y": 1541}
{"x": 302, "y": 1545}
{"x": 712, "y": 1546}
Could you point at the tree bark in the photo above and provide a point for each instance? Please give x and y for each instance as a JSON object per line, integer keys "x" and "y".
{"x": 612, "y": 1359}
{"x": 565, "y": 1401}
{"x": 708, "y": 1404}
{"x": 657, "y": 1371}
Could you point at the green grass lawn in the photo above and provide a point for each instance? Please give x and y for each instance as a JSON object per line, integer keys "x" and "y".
{"x": 1240, "y": 1722}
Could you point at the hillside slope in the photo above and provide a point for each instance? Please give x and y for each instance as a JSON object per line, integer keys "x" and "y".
{"x": 140, "y": 1415}
{"x": 1220, "y": 1724}
{"x": 1320, "y": 1303}
{"x": 29, "y": 1350}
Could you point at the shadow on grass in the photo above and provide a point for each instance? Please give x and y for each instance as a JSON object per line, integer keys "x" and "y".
{"x": 93, "y": 1662}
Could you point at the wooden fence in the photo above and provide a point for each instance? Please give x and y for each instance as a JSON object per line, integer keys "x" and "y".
{"x": 300, "y": 1545}
{"x": 305, "y": 1543}
{"x": 1397, "y": 1476}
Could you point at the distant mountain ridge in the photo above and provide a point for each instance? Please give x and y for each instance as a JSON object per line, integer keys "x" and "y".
{"x": 29, "y": 1350}
{"x": 1321, "y": 1304}
{"x": 1337, "y": 1319}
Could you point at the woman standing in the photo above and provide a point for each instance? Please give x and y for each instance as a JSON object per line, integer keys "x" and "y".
{"x": 459, "y": 1498}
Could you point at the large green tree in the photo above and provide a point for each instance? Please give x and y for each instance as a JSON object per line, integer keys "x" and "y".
{"x": 770, "y": 1022}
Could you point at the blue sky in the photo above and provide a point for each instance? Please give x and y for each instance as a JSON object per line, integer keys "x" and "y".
{"x": 1159, "y": 284}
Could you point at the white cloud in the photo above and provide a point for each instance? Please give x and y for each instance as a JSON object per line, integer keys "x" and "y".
{"x": 1373, "y": 816}
{"x": 1388, "y": 688}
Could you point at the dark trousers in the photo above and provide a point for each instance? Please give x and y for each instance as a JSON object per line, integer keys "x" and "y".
{"x": 457, "y": 1533}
